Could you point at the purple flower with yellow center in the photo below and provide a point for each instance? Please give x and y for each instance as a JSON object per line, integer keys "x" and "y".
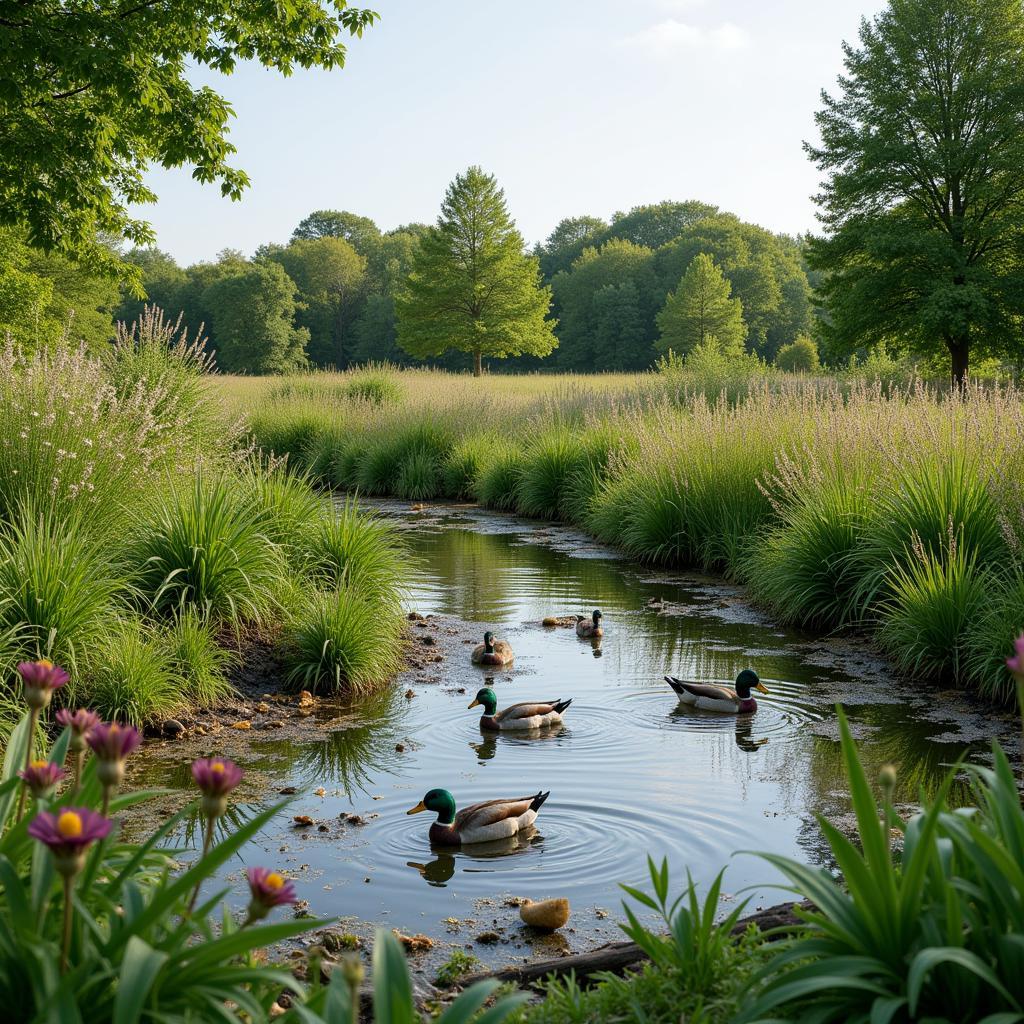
{"x": 69, "y": 833}
{"x": 80, "y": 722}
{"x": 269, "y": 889}
{"x": 40, "y": 678}
{"x": 215, "y": 777}
{"x": 111, "y": 743}
{"x": 42, "y": 777}
{"x": 1016, "y": 663}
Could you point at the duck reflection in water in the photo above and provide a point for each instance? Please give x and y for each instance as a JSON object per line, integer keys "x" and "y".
{"x": 439, "y": 871}
{"x": 744, "y": 739}
{"x": 489, "y": 740}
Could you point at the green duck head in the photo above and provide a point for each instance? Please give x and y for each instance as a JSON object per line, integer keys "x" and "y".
{"x": 441, "y": 802}
{"x": 749, "y": 680}
{"x": 597, "y": 616}
{"x": 489, "y": 642}
{"x": 486, "y": 699}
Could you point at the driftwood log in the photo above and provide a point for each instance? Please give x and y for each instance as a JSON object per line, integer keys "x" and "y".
{"x": 618, "y": 957}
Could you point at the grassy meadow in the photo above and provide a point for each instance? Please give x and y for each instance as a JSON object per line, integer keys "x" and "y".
{"x": 141, "y": 543}
{"x": 886, "y": 506}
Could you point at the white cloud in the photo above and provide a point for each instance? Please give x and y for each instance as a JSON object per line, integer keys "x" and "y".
{"x": 678, "y": 6}
{"x": 671, "y": 36}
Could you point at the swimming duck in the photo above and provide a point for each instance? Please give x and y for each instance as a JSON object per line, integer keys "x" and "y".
{"x": 492, "y": 652}
{"x": 527, "y": 715}
{"x": 478, "y": 823}
{"x": 713, "y": 697}
{"x": 592, "y": 629}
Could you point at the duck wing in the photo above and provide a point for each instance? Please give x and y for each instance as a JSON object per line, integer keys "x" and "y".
{"x": 487, "y": 813}
{"x": 530, "y": 709}
{"x": 709, "y": 690}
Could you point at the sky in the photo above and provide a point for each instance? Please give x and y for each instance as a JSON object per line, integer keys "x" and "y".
{"x": 577, "y": 106}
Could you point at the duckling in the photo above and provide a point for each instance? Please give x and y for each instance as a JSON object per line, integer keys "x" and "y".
{"x": 713, "y": 697}
{"x": 527, "y": 715}
{"x": 478, "y": 823}
{"x": 492, "y": 652}
{"x": 590, "y": 630}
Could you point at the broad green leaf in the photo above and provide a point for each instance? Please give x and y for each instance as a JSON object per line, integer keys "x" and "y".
{"x": 140, "y": 966}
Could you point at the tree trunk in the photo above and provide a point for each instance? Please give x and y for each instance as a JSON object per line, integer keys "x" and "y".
{"x": 959, "y": 352}
{"x": 478, "y": 365}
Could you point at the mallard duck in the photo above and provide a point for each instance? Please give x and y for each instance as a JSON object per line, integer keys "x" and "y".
{"x": 527, "y": 715}
{"x": 590, "y": 629}
{"x": 478, "y": 823}
{"x": 492, "y": 652}
{"x": 713, "y": 697}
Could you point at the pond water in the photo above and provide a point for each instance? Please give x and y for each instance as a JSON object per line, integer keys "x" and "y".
{"x": 631, "y": 772}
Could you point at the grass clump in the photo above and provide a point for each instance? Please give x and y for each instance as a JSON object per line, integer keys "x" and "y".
{"x": 377, "y": 384}
{"x": 132, "y": 677}
{"x": 206, "y": 547}
{"x": 545, "y": 467}
{"x": 991, "y": 635}
{"x": 455, "y": 968}
{"x": 339, "y": 642}
{"x": 498, "y": 483}
{"x": 197, "y": 659}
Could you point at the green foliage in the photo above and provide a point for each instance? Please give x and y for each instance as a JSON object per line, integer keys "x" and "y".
{"x": 198, "y": 661}
{"x": 457, "y": 966}
{"x": 471, "y": 288}
{"x": 998, "y": 624}
{"x": 376, "y": 384}
{"x": 119, "y": 97}
{"x": 361, "y": 233}
{"x": 700, "y": 309}
{"x": 497, "y": 486}
{"x": 933, "y": 934}
{"x": 339, "y": 642}
{"x": 924, "y": 242}
{"x": 799, "y": 356}
{"x": 205, "y": 546}
{"x": 252, "y": 318}
{"x": 133, "y": 676}
{"x": 544, "y": 472}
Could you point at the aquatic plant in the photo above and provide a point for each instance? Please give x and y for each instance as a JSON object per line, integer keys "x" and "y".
{"x": 340, "y": 642}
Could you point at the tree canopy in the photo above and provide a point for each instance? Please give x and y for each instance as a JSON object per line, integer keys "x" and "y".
{"x": 701, "y": 308}
{"x": 922, "y": 150}
{"x": 93, "y": 93}
{"x": 472, "y": 288}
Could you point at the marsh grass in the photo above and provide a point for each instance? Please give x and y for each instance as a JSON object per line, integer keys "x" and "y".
{"x": 197, "y": 659}
{"x": 340, "y": 642}
{"x": 813, "y": 490}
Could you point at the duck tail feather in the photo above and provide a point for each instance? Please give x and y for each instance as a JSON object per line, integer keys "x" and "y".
{"x": 675, "y": 684}
{"x": 538, "y": 801}
{"x": 561, "y": 705}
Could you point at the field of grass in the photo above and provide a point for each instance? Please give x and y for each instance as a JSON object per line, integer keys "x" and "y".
{"x": 140, "y": 542}
{"x": 895, "y": 509}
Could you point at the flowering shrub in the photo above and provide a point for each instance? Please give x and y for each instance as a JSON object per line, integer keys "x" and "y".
{"x": 96, "y": 929}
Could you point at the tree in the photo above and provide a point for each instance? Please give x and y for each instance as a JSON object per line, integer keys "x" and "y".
{"x": 253, "y": 312}
{"x": 923, "y": 198}
{"x": 620, "y": 335}
{"x": 472, "y": 288}
{"x": 565, "y": 244}
{"x": 701, "y": 307}
{"x": 657, "y": 223}
{"x": 93, "y": 93}
{"x": 330, "y": 276}
{"x": 360, "y": 232}
{"x": 799, "y": 356}
{"x": 162, "y": 282}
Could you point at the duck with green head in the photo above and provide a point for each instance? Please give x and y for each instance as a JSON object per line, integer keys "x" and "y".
{"x": 590, "y": 629}
{"x": 530, "y": 714}
{"x": 479, "y": 823}
{"x": 492, "y": 652}
{"x": 714, "y": 697}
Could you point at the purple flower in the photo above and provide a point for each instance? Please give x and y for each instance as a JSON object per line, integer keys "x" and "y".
{"x": 112, "y": 743}
{"x": 81, "y": 723}
{"x": 68, "y": 834}
{"x": 269, "y": 889}
{"x": 1016, "y": 663}
{"x": 42, "y": 777}
{"x": 40, "y": 678}
{"x": 215, "y": 777}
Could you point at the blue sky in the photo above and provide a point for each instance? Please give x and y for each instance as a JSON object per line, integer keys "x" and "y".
{"x": 578, "y": 106}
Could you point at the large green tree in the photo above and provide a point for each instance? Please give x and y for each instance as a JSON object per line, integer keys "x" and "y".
{"x": 922, "y": 149}
{"x": 472, "y": 287}
{"x": 566, "y": 243}
{"x": 360, "y": 232}
{"x": 253, "y": 311}
{"x": 92, "y": 92}
{"x": 702, "y": 307}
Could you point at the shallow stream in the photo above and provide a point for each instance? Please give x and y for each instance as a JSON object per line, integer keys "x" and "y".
{"x": 631, "y": 772}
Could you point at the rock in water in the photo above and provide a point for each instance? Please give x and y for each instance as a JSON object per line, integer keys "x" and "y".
{"x": 545, "y": 914}
{"x": 172, "y": 727}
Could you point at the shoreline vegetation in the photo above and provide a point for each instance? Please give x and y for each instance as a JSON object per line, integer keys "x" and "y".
{"x": 143, "y": 541}
{"x": 864, "y": 502}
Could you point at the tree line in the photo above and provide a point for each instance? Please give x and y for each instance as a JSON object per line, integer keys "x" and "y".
{"x": 921, "y": 151}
